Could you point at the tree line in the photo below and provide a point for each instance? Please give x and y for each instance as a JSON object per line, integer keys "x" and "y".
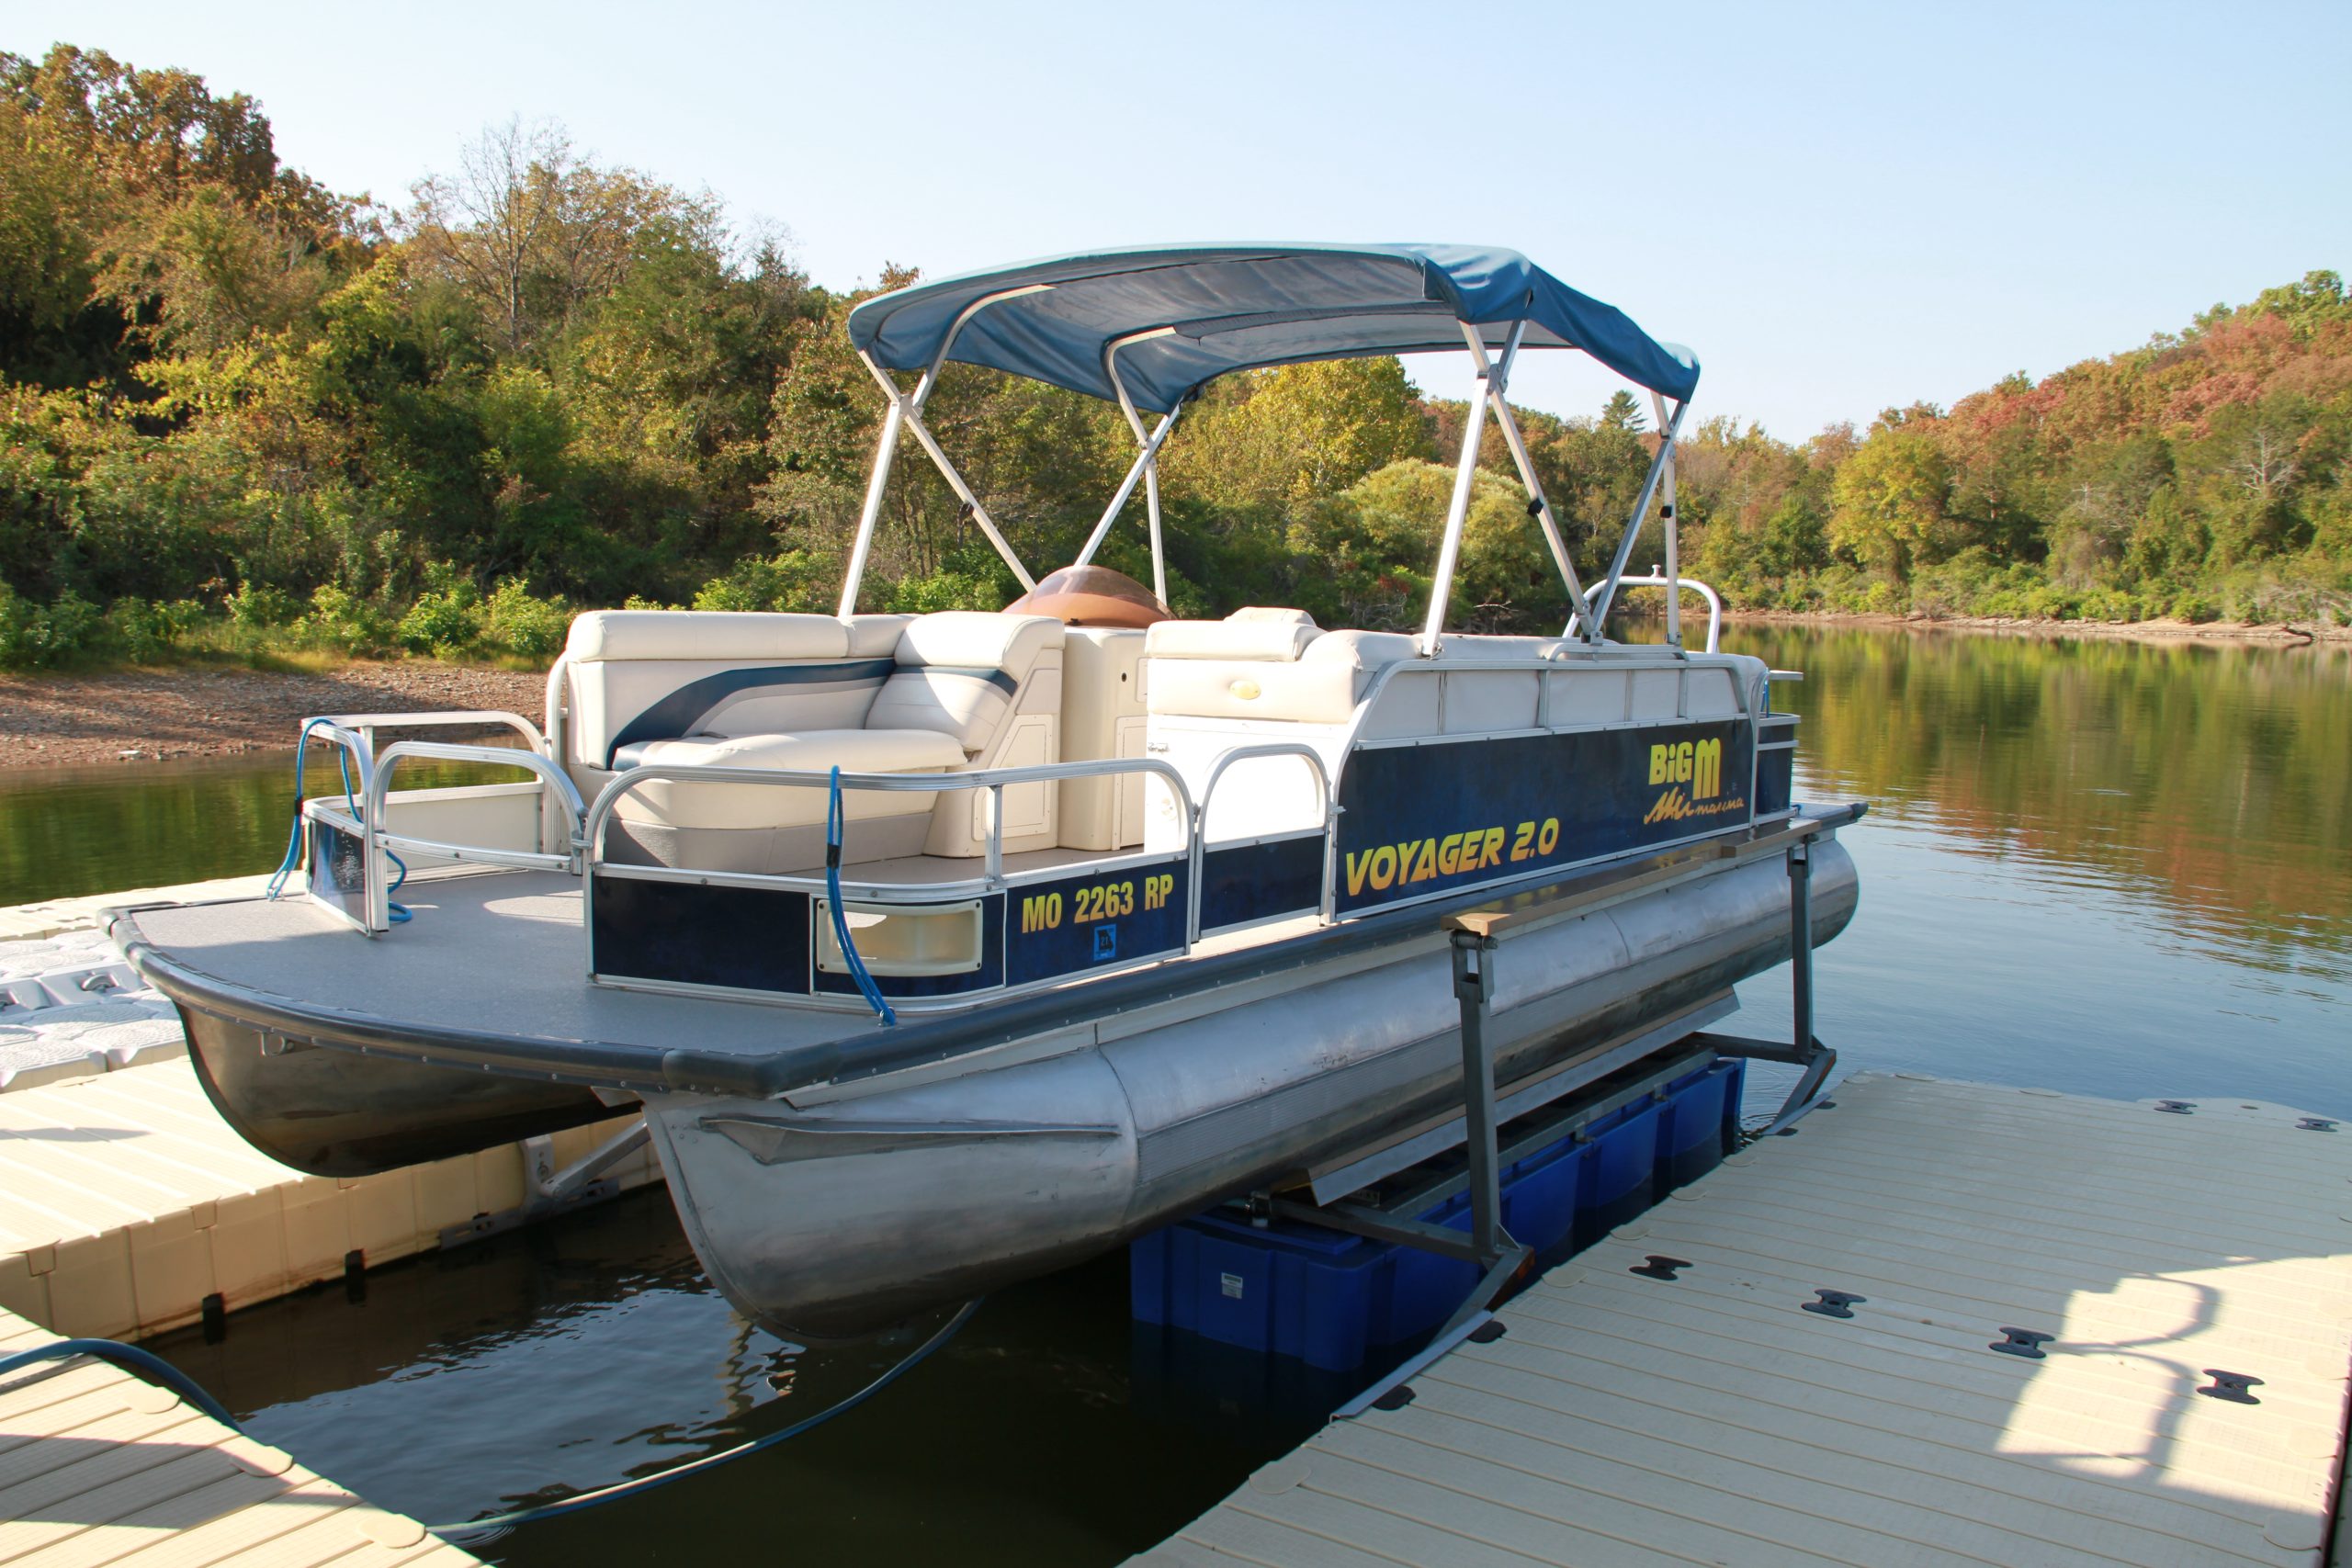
{"x": 244, "y": 413}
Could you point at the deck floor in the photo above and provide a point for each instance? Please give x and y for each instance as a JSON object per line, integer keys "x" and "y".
{"x": 1627, "y": 1420}
{"x": 99, "y": 1466}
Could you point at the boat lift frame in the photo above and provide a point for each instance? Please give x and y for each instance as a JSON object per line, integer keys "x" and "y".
{"x": 1475, "y": 939}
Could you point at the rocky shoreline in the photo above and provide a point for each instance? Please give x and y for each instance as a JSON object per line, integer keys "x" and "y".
{"x": 2130, "y": 631}
{"x": 136, "y": 716}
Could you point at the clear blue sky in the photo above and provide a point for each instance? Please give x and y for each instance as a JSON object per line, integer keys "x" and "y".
{"x": 1839, "y": 208}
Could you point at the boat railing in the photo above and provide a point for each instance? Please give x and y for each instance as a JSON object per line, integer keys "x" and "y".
{"x": 1327, "y": 812}
{"x": 1657, "y": 579}
{"x": 361, "y": 811}
{"x": 552, "y": 780}
{"x": 996, "y": 781}
{"x": 366, "y": 724}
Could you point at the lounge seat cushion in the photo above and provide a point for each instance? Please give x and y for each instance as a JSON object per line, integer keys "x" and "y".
{"x": 1322, "y": 686}
{"x": 1282, "y": 641}
{"x": 602, "y": 635}
{"x": 681, "y": 803}
{"x": 959, "y": 671}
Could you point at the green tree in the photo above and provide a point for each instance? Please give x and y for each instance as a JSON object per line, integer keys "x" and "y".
{"x": 1891, "y": 501}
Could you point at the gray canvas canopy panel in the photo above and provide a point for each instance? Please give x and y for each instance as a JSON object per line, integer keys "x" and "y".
{"x": 1181, "y": 316}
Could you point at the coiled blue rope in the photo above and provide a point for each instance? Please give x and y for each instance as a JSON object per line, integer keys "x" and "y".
{"x": 865, "y": 985}
{"x": 132, "y": 1359}
{"x": 156, "y": 1369}
{"x": 573, "y": 1504}
{"x": 399, "y": 913}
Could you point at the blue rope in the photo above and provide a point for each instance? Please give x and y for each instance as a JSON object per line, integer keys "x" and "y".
{"x": 401, "y": 914}
{"x": 132, "y": 1359}
{"x": 865, "y": 985}
{"x": 154, "y": 1367}
{"x": 662, "y": 1478}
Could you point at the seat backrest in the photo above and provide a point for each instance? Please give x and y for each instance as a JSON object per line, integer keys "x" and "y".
{"x": 1246, "y": 670}
{"x": 961, "y": 672}
{"x": 637, "y": 675}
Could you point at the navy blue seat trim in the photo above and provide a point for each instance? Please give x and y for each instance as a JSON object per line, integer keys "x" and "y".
{"x": 994, "y": 677}
{"x": 684, "y": 710}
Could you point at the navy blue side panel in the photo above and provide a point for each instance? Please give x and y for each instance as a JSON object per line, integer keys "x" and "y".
{"x": 1256, "y": 882}
{"x": 1066, "y": 927}
{"x": 338, "y": 869}
{"x": 987, "y": 977}
{"x": 1775, "y": 781}
{"x": 751, "y": 938}
{"x": 1422, "y": 819}
{"x": 678, "y": 713}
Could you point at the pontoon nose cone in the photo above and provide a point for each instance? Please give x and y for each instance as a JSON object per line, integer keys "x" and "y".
{"x": 842, "y": 1220}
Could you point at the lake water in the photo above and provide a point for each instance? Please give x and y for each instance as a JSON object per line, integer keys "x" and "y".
{"x": 2094, "y": 866}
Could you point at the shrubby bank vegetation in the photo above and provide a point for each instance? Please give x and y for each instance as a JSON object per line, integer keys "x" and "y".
{"x": 244, "y": 414}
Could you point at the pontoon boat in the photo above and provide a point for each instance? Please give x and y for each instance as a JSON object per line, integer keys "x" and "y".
{"x": 942, "y": 949}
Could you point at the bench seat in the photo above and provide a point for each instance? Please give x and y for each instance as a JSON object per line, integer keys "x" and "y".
{"x": 680, "y": 804}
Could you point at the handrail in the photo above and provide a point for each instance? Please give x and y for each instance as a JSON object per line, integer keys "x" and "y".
{"x": 994, "y": 779}
{"x": 1715, "y": 601}
{"x": 380, "y": 785}
{"x": 368, "y": 723}
{"x": 1226, "y": 758}
{"x": 559, "y": 707}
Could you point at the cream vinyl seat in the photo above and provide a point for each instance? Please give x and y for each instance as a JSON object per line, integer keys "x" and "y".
{"x": 805, "y": 694}
{"x": 1264, "y": 667}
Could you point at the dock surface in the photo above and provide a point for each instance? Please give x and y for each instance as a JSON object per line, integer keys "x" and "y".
{"x": 1695, "y": 1411}
{"x": 99, "y": 1466}
{"x": 129, "y": 1203}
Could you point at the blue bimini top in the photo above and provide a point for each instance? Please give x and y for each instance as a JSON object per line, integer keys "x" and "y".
{"x": 1184, "y": 315}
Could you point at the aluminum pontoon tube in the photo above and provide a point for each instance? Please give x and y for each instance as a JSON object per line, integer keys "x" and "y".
{"x": 844, "y": 1217}
{"x": 333, "y": 1112}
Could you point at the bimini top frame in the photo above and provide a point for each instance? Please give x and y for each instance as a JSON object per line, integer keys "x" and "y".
{"x": 1147, "y": 329}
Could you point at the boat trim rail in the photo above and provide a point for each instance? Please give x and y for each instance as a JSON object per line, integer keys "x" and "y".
{"x": 1658, "y": 578}
{"x": 1330, "y": 827}
{"x": 551, "y": 779}
{"x": 994, "y": 779}
{"x": 874, "y": 1054}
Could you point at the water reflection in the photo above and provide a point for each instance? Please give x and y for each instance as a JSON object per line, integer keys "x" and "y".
{"x": 2104, "y": 867}
{"x": 592, "y": 1350}
{"x": 2210, "y": 778}
{"x": 66, "y": 832}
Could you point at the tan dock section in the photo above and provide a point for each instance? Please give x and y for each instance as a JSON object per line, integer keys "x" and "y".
{"x": 126, "y": 1200}
{"x": 99, "y": 1466}
{"x": 1709, "y": 1418}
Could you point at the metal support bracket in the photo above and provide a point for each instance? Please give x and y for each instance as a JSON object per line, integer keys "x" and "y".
{"x": 1817, "y": 1060}
{"x": 1488, "y": 1244}
{"x": 550, "y": 1190}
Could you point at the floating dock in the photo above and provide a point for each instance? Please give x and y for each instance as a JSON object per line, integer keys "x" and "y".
{"x": 1936, "y": 1323}
{"x": 99, "y": 1466}
{"x": 133, "y": 1208}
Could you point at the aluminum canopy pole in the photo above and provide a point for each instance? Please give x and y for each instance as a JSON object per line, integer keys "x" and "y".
{"x": 1127, "y": 485}
{"x": 901, "y": 407}
{"x": 1151, "y": 469}
{"x": 1673, "y": 539}
{"x": 876, "y": 486}
{"x": 907, "y": 410}
{"x": 1580, "y": 611}
{"x": 1458, "y": 510}
{"x": 1607, "y": 593}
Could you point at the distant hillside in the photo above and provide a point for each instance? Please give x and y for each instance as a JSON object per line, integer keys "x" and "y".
{"x": 242, "y": 412}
